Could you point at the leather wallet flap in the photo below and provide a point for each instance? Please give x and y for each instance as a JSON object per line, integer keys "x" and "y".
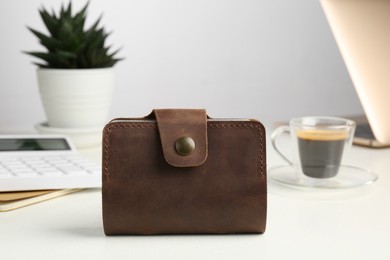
{"x": 183, "y": 134}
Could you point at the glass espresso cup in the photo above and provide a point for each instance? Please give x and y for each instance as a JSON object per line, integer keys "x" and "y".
{"x": 318, "y": 144}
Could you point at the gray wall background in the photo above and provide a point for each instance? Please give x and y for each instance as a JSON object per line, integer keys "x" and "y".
{"x": 265, "y": 59}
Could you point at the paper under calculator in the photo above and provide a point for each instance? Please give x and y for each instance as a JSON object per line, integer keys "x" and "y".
{"x": 44, "y": 162}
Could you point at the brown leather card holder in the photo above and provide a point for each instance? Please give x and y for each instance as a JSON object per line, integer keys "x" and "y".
{"x": 177, "y": 171}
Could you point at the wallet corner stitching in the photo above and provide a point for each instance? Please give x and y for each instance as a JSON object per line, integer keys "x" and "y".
{"x": 108, "y": 131}
{"x": 260, "y": 129}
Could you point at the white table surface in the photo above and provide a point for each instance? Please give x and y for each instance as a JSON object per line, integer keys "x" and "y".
{"x": 317, "y": 224}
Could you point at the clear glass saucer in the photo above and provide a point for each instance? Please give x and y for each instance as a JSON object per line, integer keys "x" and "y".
{"x": 347, "y": 177}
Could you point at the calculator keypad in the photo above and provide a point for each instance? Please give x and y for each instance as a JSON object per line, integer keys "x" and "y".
{"x": 46, "y": 166}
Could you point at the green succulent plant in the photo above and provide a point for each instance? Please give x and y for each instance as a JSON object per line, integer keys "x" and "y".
{"x": 69, "y": 45}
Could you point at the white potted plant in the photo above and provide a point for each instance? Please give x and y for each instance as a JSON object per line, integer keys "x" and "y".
{"x": 75, "y": 74}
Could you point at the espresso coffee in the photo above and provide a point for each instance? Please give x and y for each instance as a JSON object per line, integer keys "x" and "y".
{"x": 321, "y": 151}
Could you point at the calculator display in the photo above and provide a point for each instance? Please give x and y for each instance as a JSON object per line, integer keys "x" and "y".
{"x": 33, "y": 144}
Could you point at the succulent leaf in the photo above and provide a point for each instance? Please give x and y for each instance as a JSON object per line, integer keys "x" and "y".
{"x": 69, "y": 44}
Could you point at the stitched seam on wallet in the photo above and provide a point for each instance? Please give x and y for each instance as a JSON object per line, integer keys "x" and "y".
{"x": 260, "y": 162}
{"x": 107, "y": 143}
{"x": 106, "y": 155}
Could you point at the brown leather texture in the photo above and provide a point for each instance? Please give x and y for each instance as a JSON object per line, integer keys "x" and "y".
{"x": 225, "y": 192}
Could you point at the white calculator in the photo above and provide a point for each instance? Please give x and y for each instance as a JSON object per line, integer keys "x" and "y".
{"x": 43, "y": 162}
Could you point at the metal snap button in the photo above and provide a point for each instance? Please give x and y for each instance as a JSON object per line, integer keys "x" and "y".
{"x": 185, "y": 145}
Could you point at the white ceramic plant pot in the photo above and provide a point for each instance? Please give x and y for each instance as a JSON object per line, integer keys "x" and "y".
{"x": 76, "y": 98}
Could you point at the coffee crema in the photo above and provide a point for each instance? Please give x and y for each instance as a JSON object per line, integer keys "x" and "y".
{"x": 321, "y": 151}
{"x": 322, "y": 135}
